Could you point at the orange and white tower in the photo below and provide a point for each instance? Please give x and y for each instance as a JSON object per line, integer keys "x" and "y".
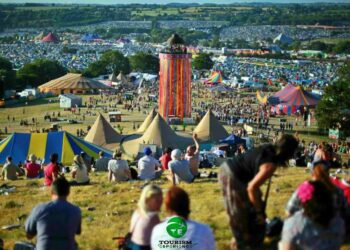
{"x": 175, "y": 80}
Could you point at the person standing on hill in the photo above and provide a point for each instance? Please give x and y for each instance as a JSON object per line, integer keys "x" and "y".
{"x": 241, "y": 179}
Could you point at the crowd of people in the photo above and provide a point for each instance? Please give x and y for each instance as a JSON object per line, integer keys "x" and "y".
{"x": 318, "y": 212}
{"x": 21, "y": 53}
{"x": 312, "y": 73}
{"x": 264, "y": 32}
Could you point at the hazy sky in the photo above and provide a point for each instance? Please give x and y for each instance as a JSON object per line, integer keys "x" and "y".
{"x": 165, "y": 1}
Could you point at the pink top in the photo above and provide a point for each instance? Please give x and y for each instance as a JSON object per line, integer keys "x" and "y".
{"x": 141, "y": 227}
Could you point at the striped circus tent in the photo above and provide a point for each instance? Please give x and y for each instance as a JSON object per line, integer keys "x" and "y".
{"x": 71, "y": 83}
{"x": 288, "y": 88}
{"x": 299, "y": 97}
{"x": 20, "y": 145}
{"x": 293, "y": 99}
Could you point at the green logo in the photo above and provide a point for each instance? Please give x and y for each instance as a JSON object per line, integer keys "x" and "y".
{"x": 176, "y": 227}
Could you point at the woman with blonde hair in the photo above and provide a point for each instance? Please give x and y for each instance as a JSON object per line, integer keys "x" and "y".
{"x": 80, "y": 172}
{"x": 145, "y": 217}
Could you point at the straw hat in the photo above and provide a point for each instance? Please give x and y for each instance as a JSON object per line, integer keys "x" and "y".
{"x": 32, "y": 158}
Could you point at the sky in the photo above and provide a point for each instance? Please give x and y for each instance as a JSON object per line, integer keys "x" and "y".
{"x": 165, "y": 1}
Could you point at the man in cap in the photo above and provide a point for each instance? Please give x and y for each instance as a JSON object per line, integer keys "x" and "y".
{"x": 148, "y": 166}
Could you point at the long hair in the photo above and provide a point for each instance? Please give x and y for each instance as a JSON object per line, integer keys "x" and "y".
{"x": 320, "y": 207}
{"x": 147, "y": 192}
{"x": 321, "y": 174}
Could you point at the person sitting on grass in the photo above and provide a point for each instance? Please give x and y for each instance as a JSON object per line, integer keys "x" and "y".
{"x": 316, "y": 226}
{"x": 190, "y": 234}
{"x": 10, "y": 171}
{"x": 148, "y": 166}
{"x": 52, "y": 170}
{"x": 145, "y": 217}
{"x": 33, "y": 169}
{"x": 80, "y": 172}
{"x": 101, "y": 163}
{"x": 57, "y": 222}
{"x": 344, "y": 185}
{"x": 320, "y": 172}
{"x": 118, "y": 169}
{"x": 166, "y": 158}
{"x": 179, "y": 169}
{"x": 192, "y": 156}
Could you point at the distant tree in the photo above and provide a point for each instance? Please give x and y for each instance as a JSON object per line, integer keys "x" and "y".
{"x": 342, "y": 47}
{"x": 39, "y": 71}
{"x": 116, "y": 62}
{"x": 96, "y": 69}
{"x": 7, "y": 76}
{"x": 215, "y": 43}
{"x": 333, "y": 111}
{"x": 111, "y": 61}
{"x": 144, "y": 62}
{"x": 203, "y": 61}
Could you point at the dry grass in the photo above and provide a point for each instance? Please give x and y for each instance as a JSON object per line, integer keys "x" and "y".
{"x": 114, "y": 204}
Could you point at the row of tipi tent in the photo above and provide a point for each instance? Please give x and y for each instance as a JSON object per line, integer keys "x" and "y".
{"x": 153, "y": 131}
{"x": 103, "y": 137}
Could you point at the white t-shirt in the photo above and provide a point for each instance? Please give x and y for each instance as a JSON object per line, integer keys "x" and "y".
{"x": 118, "y": 168}
{"x": 197, "y": 237}
{"x": 147, "y": 167}
{"x": 81, "y": 174}
{"x": 181, "y": 170}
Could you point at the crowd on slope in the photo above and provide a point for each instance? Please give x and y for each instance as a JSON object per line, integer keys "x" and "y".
{"x": 309, "y": 225}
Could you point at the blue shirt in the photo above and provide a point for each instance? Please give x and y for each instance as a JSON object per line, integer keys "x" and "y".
{"x": 55, "y": 223}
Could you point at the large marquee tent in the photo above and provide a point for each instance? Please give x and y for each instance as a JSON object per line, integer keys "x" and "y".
{"x": 72, "y": 83}
{"x": 295, "y": 97}
{"x": 20, "y": 145}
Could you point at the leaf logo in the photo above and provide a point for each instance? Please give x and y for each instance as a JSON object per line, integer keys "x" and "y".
{"x": 177, "y": 227}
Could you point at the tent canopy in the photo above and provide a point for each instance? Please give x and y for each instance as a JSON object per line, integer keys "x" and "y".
{"x": 214, "y": 78}
{"x": 72, "y": 81}
{"x": 50, "y": 38}
{"x": 233, "y": 140}
{"x": 284, "y": 39}
{"x": 158, "y": 133}
{"x": 20, "y": 145}
{"x": 147, "y": 122}
{"x": 210, "y": 129}
{"x": 297, "y": 96}
{"x": 90, "y": 37}
{"x": 103, "y": 134}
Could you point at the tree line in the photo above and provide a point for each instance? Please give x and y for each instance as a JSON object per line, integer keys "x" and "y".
{"x": 15, "y": 16}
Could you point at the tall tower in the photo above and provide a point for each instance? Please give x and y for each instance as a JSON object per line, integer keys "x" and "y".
{"x": 175, "y": 80}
